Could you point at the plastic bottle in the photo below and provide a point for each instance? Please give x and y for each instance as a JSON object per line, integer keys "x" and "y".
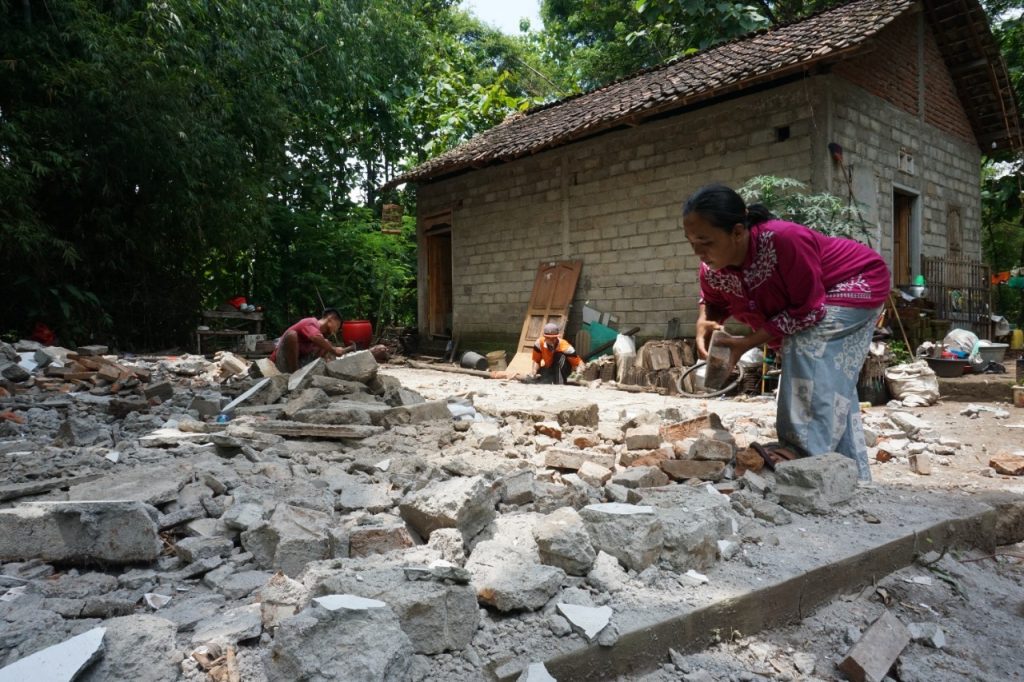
{"x": 1017, "y": 339}
{"x": 718, "y": 367}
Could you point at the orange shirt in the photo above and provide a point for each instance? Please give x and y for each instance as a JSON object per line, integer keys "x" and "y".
{"x": 547, "y": 356}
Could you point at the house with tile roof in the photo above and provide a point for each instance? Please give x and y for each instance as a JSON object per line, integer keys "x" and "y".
{"x": 913, "y": 92}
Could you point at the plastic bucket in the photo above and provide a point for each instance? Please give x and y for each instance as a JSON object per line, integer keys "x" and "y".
{"x": 471, "y": 360}
{"x": 496, "y": 360}
{"x": 359, "y": 332}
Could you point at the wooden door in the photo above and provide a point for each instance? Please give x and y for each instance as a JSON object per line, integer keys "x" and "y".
{"x": 903, "y": 205}
{"x": 439, "y": 281}
{"x": 553, "y": 289}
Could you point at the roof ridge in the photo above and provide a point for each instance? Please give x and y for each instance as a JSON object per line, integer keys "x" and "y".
{"x": 672, "y": 61}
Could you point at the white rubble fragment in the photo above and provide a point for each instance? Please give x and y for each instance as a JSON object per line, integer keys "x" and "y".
{"x": 692, "y": 577}
{"x": 589, "y": 620}
{"x": 804, "y": 662}
{"x": 58, "y": 663}
{"x": 919, "y": 580}
{"x": 535, "y": 672}
{"x": 156, "y": 601}
{"x": 727, "y": 549}
{"x": 349, "y": 602}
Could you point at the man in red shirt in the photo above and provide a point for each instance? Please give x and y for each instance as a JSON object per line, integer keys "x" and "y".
{"x": 554, "y": 359}
{"x": 306, "y": 340}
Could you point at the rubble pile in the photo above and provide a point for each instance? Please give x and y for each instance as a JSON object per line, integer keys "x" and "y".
{"x": 332, "y": 524}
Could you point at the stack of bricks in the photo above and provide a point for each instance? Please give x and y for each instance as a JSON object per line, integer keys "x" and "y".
{"x": 659, "y": 364}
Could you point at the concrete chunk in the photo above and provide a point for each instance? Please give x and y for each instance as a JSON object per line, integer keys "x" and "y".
{"x": 152, "y": 485}
{"x": 874, "y": 653}
{"x": 685, "y": 469}
{"x": 340, "y": 639}
{"x": 230, "y": 627}
{"x": 293, "y": 537}
{"x": 117, "y": 532}
{"x": 303, "y": 377}
{"x": 566, "y": 458}
{"x": 379, "y": 539}
{"x": 640, "y": 477}
{"x": 562, "y": 541}
{"x": 464, "y": 503}
{"x": 360, "y": 366}
{"x": 508, "y": 580}
{"x": 139, "y": 648}
{"x": 432, "y": 410}
{"x": 816, "y": 484}
{"x": 643, "y": 437}
{"x": 58, "y": 663}
{"x": 303, "y": 400}
{"x": 436, "y": 616}
{"x": 633, "y": 534}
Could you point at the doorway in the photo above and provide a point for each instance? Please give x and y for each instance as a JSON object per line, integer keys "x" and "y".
{"x": 438, "y": 243}
{"x": 905, "y": 237}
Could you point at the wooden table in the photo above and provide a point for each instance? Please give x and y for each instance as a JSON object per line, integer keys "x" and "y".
{"x": 228, "y": 324}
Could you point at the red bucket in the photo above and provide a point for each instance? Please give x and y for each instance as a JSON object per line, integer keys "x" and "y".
{"x": 359, "y": 332}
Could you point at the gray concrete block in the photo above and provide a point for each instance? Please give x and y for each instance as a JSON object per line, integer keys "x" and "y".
{"x": 640, "y": 477}
{"x": 292, "y": 537}
{"x": 511, "y": 580}
{"x": 117, "y": 532}
{"x": 816, "y": 484}
{"x": 332, "y": 640}
{"x": 436, "y": 616}
{"x": 140, "y": 647}
{"x": 432, "y": 410}
{"x": 562, "y": 541}
{"x": 464, "y": 503}
{"x": 359, "y": 366}
{"x": 643, "y": 437}
{"x": 302, "y": 400}
{"x": 633, "y": 534}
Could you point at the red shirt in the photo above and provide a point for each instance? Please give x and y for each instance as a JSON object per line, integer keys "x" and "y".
{"x": 306, "y": 329}
{"x": 790, "y": 274}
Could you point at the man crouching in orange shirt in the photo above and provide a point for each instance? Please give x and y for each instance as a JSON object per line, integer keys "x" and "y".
{"x": 554, "y": 359}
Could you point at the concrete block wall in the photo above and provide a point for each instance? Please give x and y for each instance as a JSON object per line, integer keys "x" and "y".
{"x": 613, "y": 202}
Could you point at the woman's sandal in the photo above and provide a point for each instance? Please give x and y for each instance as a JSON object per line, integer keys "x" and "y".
{"x": 776, "y": 453}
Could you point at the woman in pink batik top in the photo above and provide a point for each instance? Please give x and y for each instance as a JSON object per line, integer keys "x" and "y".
{"x": 817, "y": 297}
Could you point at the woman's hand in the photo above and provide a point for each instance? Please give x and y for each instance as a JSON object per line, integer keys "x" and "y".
{"x": 738, "y": 345}
{"x": 704, "y": 329}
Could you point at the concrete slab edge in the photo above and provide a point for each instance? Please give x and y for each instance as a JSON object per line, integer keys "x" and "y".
{"x": 783, "y": 603}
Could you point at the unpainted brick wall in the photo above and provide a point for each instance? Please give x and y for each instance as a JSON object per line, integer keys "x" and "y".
{"x": 891, "y": 71}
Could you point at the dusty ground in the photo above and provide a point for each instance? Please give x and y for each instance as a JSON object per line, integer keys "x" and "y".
{"x": 977, "y": 600}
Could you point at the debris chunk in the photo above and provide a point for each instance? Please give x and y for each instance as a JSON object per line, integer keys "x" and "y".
{"x": 58, "y": 663}
{"x": 877, "y": 649}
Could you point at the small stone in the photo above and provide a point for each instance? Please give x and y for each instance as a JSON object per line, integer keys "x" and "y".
{"x": 929, "y": 634}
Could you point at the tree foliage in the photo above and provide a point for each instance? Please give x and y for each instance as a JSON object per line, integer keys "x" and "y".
{"x": 824, "y": 212}
{"x": 158, "y": 157}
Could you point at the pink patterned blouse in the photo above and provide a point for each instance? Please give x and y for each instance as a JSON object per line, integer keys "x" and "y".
{"x": 790, "y": 274}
